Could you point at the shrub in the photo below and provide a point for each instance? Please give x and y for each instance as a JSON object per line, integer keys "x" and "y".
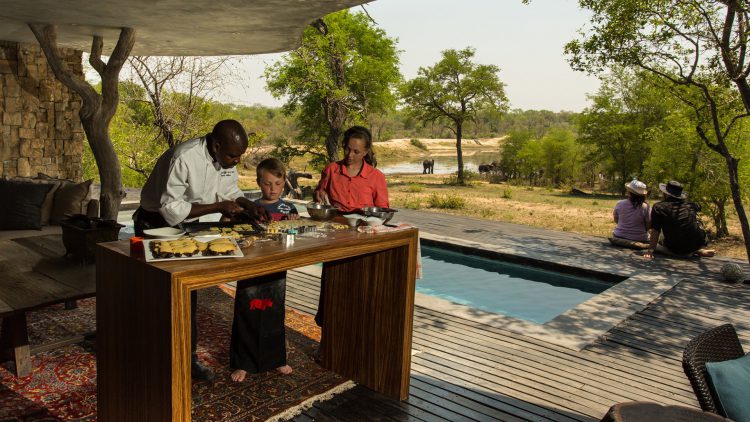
{"x": 486, "y": 212}
{"x": 495, "y": 178}
{"x": 415, "y": 188}
{"x": 470, "y": 178}
{"x": 507, "y": 193}
{"x": 417, "y": 143}
{"x": 448, "y": 201}
{"x": 409, "y": 202}
{"x": 595, "y": 203}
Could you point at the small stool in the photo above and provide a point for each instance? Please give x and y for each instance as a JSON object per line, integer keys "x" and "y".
{"x": 641, "y": 411}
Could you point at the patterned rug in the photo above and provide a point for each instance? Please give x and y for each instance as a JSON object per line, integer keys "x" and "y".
{"x": 62, "y": 385}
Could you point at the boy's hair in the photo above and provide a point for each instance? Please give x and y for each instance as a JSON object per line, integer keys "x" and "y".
{"x": 273, "y": 166}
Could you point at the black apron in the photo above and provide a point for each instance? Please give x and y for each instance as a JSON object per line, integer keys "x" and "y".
{"x": 258, "y": 338}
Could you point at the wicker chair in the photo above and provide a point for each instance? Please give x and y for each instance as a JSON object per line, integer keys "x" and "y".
{"x": 715, "y": 345}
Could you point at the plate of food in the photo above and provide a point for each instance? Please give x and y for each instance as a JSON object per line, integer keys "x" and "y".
{"x": 207, "y": 247}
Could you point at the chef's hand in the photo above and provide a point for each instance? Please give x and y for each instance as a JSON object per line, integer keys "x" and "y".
{"x": 228, "y": 208}
{"x": 255, "y": 211}
{"x": 322, "y": 197}
{"x": 293, "y": 216}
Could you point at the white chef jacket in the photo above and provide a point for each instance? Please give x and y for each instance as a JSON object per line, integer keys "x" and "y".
{"x": 184, "y": 175}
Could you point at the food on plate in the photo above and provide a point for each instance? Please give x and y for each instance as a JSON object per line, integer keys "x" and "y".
{"x": 221, "y": 246}
{"x": 174, "y": 248}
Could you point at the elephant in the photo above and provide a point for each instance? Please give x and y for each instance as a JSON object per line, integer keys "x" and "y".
{"x": 428, "y": 166}
{"x": 486, "y": 168}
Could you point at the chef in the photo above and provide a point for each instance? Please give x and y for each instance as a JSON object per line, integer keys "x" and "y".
{"x": 192, "y": 179}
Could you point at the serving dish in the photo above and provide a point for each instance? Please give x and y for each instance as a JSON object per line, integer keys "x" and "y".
{"x": 164, "y": 233}
{"x": 233, "y": 252}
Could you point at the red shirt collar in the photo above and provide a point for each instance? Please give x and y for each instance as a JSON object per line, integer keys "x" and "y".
{"x": 364, "y": 173}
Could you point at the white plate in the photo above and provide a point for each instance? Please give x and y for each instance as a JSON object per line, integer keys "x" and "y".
{"x": 150, "y": 256}
{"x": 164, "y": 233}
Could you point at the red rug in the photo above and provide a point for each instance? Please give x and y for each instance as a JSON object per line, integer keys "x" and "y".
{"x": 62, "y": 385}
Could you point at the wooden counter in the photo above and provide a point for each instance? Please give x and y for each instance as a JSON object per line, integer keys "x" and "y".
{"x": 143, "y": 316}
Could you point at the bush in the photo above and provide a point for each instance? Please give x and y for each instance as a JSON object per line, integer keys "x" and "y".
{"x": 448, "y": 201}
{"x": 415, "y": 188}
{"x": 417, "y": 143}
{"x": 495, "y": 178}
{"x": 470, "y": 178}
{"x": 507, "y": 193}
{"x": 411, "y": 204}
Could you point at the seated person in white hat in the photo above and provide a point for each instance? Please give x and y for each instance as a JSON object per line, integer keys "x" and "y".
{"x": 677, "y": 221}
{"x": 632, "y": 216}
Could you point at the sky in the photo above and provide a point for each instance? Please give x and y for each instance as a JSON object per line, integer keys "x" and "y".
{"x": 525, "y": 41}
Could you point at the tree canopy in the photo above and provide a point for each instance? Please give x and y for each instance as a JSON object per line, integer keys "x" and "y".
{"x": 454, "y": 91}
{"x": 345, "y": 71}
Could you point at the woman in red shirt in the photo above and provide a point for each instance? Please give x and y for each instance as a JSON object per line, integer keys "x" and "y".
{"x": 353, "y": 182}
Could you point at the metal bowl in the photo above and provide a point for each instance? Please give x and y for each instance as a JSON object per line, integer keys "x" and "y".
{"x": 385, "y": 213}
{"x": 321, "y": 212}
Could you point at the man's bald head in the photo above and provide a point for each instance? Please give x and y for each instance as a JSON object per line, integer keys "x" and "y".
{"x": 228, "y": 141}
{"x": 230, "y": 132}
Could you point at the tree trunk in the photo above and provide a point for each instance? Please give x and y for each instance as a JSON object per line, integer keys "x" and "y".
{"x": 332, "y": 143}
{"x": 720, "y": 217}
{"x": 97, "y": 131}
{"x": 734, "y": 186}
{"x": 459, "y": 153}
{"x": 96, "y": 110}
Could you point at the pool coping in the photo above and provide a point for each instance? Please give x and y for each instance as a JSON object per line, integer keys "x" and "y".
{"x": 576, "y": 328}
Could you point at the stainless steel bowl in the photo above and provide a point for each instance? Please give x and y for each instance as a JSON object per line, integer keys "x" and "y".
{"x": 385, "y": 213}
{"x": 321, "y": 212}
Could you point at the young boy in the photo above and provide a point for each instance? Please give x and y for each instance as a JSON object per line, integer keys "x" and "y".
{"x": 258, "y": 339}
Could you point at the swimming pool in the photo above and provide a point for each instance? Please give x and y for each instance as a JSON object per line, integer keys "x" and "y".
{"x": 521, "y": 291}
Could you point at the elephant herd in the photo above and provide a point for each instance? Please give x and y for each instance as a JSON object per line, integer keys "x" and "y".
{"x": 428, "y": 167}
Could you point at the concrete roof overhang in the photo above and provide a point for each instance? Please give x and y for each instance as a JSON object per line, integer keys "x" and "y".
{"x": 171, "y": 27}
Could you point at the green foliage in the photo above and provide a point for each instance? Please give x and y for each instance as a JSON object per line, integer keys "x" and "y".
{"x": 511, "y": 162}
{"x": 351, "y": 70}
{"x": 447, "y": 201}
{"x": 417, "y": 143}
{"x": 411, "y": 204}
{"x": 454, "y": 91}
{"x": 614, "y": 129}
{"x": 415, "y": 188}
{"x": 507, "y": 193}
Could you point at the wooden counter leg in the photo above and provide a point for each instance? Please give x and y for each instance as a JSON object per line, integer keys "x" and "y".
{"x": 369, "y": 311}
{"x": 134, "y": 341}
{"x": 14, "y": 340}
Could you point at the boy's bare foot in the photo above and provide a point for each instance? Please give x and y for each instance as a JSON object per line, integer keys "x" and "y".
{"x": 239, "y": 375}
{"x": 285, "y": 370}
{"x": 706, "y": 252}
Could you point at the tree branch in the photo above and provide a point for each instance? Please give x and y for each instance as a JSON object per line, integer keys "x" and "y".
{"x": 47, "y": 37}
{"x": 95, "y": 58}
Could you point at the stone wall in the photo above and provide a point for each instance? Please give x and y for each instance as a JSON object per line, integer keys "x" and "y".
{"x": 40, "y": 130}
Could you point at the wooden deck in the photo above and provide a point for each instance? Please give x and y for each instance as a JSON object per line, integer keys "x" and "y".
{"x": 466, "y": 370}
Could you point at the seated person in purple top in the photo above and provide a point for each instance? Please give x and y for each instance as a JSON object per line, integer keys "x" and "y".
{"x": 632, "y": 216}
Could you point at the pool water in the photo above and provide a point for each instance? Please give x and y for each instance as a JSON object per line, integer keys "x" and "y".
{"x": 520, "y": 291}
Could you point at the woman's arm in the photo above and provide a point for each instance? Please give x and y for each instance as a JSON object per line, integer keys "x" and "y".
{"x": 380, "y": 198}
{"x": 321, "y": 191}
{"x": 615, "y": 216}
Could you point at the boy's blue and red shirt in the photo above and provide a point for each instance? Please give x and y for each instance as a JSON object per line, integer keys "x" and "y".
{"x": 279, "y": 210}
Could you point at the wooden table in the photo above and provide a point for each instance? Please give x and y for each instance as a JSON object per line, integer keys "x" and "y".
{"x": 143, "y": 316}
{"x": 34, "y": 274}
